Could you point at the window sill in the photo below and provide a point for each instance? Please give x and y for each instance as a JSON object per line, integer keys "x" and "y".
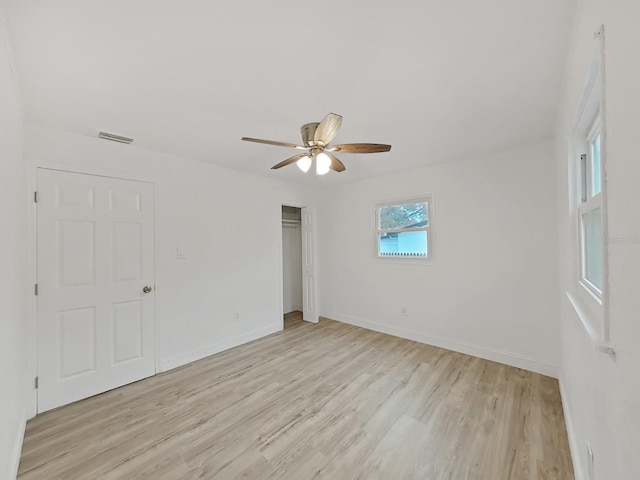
{"x": 589, "y": 324}
{"x": 592, "y": 294}
{"x": 417, "y": 262}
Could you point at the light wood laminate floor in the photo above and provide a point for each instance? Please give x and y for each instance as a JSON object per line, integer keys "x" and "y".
{"x": 325, "y": 401}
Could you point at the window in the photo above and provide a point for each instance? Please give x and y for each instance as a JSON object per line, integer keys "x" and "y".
{"x": 588, "y": 293}
{"x": 590, "y": 215}
{"x": 403, "y": 228}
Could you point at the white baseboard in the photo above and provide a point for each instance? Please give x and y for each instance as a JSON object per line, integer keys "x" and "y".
{"x": 573, "y": 441}
{"x": 179, "y": 360}
{"x": 495, "y": 355}
{"x": 17, "y": 448}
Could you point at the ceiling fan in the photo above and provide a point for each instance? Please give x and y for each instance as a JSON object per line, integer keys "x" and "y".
{"x": 316, "y": 138}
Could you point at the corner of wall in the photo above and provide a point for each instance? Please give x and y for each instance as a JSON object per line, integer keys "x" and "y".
{"x": 17, "y": 446}
{"x": 573, "y": 442}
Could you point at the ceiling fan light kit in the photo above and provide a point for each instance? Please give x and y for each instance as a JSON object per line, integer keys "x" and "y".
{"x": 316, "y": 137}
{"x": 323, "y": 163}
{"x": 304, "y": 163}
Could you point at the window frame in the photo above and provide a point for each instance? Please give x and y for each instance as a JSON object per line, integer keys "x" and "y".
{"x": 377, "y": 230}
{"x": 590, "y": 303}
{"x": 590, "y": 202}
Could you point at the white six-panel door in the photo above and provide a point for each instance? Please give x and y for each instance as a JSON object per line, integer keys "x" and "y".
{"x": 95, "y": 256}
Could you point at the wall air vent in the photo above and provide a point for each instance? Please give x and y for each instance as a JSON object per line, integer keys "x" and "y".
{"x": 114, "y": 138}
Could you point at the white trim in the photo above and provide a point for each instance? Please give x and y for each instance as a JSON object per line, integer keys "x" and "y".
{"x": 17, "y": 447}
{"x": 590, "y": 206}
{"x": 32, "y": 302}
{"x": 600, "y": 34}
{"x": 310, "y": 269}
{"x": 588, "y": 316}
{"x": 501, "y": 356}
{"x": 404, "y": 200}
{"x": 593, "y": 291}
{"x": 194, "y": 355}
{"x": 571, "y": 434}
{"x": 280, "y": 243}
{"x": 595, "y": 79}
{"x": 419, "y": 262}
{"x": 602, "y": 345}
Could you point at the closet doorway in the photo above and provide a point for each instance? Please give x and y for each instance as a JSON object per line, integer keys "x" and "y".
{"x": 291, "y": 265}
{"x": 299, "y": 266}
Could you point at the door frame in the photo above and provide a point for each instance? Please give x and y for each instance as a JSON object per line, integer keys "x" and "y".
{"x": 32, "y": 260}
{"x": 281, "y": 256}
{"x": 299, "y": 229}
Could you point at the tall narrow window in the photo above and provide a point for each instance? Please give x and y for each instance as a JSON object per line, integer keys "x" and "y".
{"x": 589, "y": 292}
{"x": 403, "y": 228}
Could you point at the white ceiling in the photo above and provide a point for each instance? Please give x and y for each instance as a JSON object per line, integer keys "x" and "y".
{"x": 438, "y": 80}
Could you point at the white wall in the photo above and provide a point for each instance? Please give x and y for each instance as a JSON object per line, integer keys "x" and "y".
{"x": 292, "y": 267}
{"x": 492, "y": 289}
{"x": 602, "y": 396}
{"x": 228, "y": 224}
{"x": 13, "y": 237}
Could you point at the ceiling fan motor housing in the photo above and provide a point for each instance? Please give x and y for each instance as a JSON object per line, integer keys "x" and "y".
{"x": 308, "y": 132}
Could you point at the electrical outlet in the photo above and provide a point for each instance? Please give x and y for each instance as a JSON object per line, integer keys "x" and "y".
{"x": 404, "y": 311}
{"x": 236, "y": 316}
{"x": 590, "y": 462}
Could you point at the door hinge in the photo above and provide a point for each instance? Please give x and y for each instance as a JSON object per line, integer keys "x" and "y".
{"x": 36, "y": 382}
{"x": 583, "y": 177}
{"x": 35, "y": 289}
{"x": 35, "y": 197}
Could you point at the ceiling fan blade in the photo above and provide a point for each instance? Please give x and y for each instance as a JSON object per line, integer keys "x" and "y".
{"x": 360, "y": 148}
{"x": 272, "y": 142}
{"x": 336, "y": 165}
{"x": 327, "y": 129}
{"x": 288, "y": 161}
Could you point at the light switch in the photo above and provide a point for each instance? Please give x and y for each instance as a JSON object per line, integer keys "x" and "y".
{"x": 180, "y": 255}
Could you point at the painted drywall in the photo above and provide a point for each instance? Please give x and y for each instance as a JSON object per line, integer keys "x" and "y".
{"x": 602, "y": 395}
{"x": 227, "y": 223}
{"x": 13, "y": 269}
{"x": 433, "y": 78}
{"x": 292, "y": 267}
{"x": 491, "y": 290}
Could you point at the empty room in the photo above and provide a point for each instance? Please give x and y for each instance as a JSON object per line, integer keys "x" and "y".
{"x": 340, "y": 240}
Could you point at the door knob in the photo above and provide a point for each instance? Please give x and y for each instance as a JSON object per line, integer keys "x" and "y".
{"x": 147, "y": 289}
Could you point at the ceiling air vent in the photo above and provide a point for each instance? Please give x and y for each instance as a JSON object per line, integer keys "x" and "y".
{"x": 114, "y": 138}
